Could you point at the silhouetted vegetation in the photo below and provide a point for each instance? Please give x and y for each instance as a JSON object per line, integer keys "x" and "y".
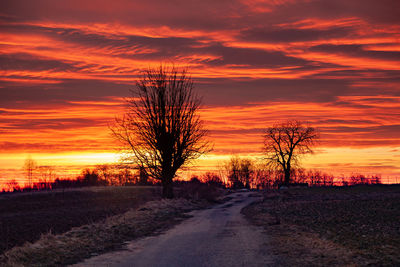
{"x": 240, "y": 172}
{"x": 246, "y": 173}
{"x": 29, "y": 167}
{"x": 214, "y": 179}
{"x": 100, "y": 175}
{"x": 162, "y": 130}
{"x": 284, "y": 143}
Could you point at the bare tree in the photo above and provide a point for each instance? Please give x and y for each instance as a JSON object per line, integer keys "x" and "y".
{"x": 233, "y": 171}
{"x": 106, "y": 173}
{"x": 12, "y": 185}
{"x": 29, "y": 168}
{"x": 240, "y": 172}
{"x": 162, "y": 130}
{"x": 284, "y": 143}
{"x": 246, "y": 172}
{"x": 211, "y": 178}
{"x": 47, "y": 175}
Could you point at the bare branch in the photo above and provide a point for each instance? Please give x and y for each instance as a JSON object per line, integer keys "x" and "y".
{"x": 284, "y": 143}
{"x": 162, "y": 130}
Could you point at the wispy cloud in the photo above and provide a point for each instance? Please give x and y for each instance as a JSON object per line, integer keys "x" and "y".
{"x": 67, "y": 65}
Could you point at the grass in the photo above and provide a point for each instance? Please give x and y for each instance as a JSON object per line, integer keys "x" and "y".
{"x": 96, "y": 238}
{"x": 332, "y": 226}
{"x": 25, "y": 217}
{"x": 58, "y": 228}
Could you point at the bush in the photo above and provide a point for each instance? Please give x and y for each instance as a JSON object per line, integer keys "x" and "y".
{"x": 197, "y": 190}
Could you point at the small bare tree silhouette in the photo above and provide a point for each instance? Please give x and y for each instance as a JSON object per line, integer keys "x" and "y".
{"x": 30, "y": 166}
{"x": 284, "y": 143}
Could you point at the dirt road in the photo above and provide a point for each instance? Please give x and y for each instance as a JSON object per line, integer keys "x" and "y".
{"x": 219, "y": 236}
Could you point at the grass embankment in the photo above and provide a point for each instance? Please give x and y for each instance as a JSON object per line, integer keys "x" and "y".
{"x": 108, "y": 232}
{"x": 332, "y": 226}
{"x": 106, "y": 235}
{"x": 26, "y": 216}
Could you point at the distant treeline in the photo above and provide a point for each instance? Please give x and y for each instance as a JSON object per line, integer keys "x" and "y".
{"x": 236, "y": 173}
{"x": 242, "y": 172}
{"x": 101, "y": 175}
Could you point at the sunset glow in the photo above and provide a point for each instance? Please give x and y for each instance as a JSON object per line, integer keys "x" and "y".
{"x": 66, "y": 67}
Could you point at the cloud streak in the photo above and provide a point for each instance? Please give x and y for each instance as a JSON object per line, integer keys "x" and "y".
{"x": 66, "y": 66}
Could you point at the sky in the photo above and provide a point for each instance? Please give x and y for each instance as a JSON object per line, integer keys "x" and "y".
{"x": 66, "y": 67}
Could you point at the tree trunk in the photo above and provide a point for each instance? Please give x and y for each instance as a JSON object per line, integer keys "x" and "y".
{"x": 287, "y": 177}
{"x": 167, "y": 190}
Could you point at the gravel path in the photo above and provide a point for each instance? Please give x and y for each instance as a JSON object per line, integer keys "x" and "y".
{"x": 219, "y": 236}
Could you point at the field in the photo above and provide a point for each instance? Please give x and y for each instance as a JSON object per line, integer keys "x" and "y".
{"x": 332, "y": 226}
{"x": 335, "y": 226}
{"x": 26, "y": 216}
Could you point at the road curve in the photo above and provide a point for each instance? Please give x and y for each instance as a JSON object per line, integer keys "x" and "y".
{"x": 219, "y": 236}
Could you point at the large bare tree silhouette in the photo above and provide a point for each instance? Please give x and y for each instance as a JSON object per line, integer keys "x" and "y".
{"x": 161, "y": 129}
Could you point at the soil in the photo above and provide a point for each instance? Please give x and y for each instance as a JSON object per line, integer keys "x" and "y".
{"x": 332, "y": 226}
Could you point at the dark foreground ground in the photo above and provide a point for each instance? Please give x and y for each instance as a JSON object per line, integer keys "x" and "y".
{"x": 26, "y": 216}
{"x": 218, "y": 236}
{"x": 356, "y": 226}
{"x": 332, "y": 226}
{"x": 87, "y": 222}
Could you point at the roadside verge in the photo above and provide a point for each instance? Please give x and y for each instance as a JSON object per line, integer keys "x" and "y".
{"x": 106, "y": 235}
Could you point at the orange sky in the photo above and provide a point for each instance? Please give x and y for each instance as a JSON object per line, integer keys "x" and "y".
{"x": 67, "y": 65}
